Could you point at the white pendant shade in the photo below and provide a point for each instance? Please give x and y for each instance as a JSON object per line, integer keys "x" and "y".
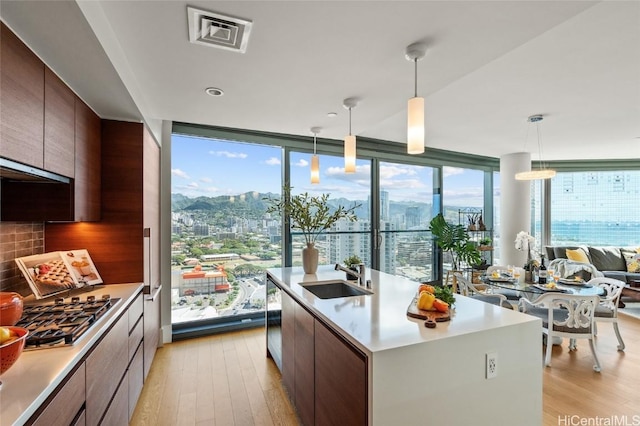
{"x": 415, "y": 126}
{"x": 536, "y": 174}
{"x": 315, "y": 169}
{"x": 350, "y": 154}
{"x": 543, "y": 172}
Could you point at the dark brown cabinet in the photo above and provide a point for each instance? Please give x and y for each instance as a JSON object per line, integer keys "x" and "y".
{"x": 304, "y": 349}
{"x": 88, "y": 164}
{"x": 125, "y": 244}
{"x": 45, "y": 125}
{"x": 323, "y": 373}
{"x": 21, "y": 101}
{"x": 59, "y": 126}
{"x": 341, "y": 380}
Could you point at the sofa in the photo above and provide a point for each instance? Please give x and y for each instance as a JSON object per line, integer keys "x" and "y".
{"x": 621, "y": 263}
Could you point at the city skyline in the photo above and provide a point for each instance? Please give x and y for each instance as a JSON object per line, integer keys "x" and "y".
{"x": 197, "y": 170}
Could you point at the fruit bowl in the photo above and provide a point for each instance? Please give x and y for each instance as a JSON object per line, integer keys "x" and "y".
{"x": 11, "y": 349}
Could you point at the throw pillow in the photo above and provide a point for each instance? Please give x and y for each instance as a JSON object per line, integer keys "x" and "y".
{"x": 577, "y": 255}
{"x": 633, "y": 262}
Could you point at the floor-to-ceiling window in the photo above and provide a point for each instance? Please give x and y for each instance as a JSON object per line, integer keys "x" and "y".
{"x": 345, "y": 238}
{"x": 405, "y": 210}
{"x": 595, "y": 208}
{"x": 221, "y": 238}
{"x": 463, "y": 203}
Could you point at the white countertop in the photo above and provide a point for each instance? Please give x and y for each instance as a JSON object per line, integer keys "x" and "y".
{"x": 379, "y": 322}
{"x": 30, "y": 381}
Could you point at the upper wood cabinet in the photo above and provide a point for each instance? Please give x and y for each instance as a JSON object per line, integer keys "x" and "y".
{"x": 88, "y": 164}
{"x": 21, "y": 101}
{"x": 59, "y": 126}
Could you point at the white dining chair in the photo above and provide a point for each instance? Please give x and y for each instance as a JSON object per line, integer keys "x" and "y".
{"x": 467, "y": 288}
{"x": 607, "y": 309}
{"x": 565, "y": 315}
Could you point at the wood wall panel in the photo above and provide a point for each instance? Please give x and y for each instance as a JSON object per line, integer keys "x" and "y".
{"x": 59, "y": 126}
{"x": 21, "y": 101}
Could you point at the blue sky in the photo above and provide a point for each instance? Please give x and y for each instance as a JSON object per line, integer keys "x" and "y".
{"x": 204, "y": 167}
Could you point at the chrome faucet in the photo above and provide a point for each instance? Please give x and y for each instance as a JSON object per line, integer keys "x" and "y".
{"x": 360, "y": 274}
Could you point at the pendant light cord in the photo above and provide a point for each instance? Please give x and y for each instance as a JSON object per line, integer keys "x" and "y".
{"x": 349, "y": 121}
{"x": 415, "y": 89}
{"x": 314, "y": 144}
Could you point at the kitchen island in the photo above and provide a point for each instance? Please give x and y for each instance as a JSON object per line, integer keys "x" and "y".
{"x": 410, "y": 374}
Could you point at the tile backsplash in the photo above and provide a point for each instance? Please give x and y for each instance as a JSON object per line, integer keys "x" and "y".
{"x": 18, "y": 239}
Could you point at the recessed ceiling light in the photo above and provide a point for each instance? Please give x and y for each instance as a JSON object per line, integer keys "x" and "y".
{"x": 332, "y": 114}
{"x": 214, "y": 91}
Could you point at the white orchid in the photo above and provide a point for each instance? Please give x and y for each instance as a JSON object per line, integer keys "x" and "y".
{"x": 524, "y": 241}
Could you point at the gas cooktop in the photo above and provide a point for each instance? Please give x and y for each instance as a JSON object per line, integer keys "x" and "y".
{"x": 63, "y": 322}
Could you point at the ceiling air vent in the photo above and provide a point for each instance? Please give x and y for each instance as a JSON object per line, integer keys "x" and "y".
{"x": 216, "y": 30}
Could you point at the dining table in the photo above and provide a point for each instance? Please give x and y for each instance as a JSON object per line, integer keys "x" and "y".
{"x": 532, "y": 291}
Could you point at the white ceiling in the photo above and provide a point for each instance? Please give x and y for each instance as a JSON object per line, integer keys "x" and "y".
{"x": 490, "y": 65}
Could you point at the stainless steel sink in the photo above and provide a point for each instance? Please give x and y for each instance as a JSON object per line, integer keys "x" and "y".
{"x": 333, "y": 289}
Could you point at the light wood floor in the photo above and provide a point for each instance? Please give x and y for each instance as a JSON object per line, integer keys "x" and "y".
{"x": 227, "y": 380}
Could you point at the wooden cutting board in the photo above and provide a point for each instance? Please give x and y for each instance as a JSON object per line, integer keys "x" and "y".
{"x": 414, "y": 312}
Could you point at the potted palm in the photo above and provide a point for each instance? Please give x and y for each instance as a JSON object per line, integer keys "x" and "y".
{"x": 311, "y": 215}
{"x": 454, "y": 241}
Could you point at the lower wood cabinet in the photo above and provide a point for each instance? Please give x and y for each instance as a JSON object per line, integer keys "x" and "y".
{"x": 106, "y": 365}
{"x": 67, "y": 404}
{"x": 118, "y": 412}
{"x": 324, "y": 374}
{"x": 340, "y": 381}
{"x": 304, "y": 371}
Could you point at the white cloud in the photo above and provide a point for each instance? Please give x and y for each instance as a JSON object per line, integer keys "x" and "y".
{"x": 273, "y": 161}
{"x": 302, "y": 163}
{"x": 228, "y": 154}
{"x": 388, "y": 172}
{"x": 179, "y": 173}
{"x": 451, "y": 171}
{"x": 193, "y": 185}
{"x": 206, "y": 180}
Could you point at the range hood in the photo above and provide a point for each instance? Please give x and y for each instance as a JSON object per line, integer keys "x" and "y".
{"x": 11, "y": 170}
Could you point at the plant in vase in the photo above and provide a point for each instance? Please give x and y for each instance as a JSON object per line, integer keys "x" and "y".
{"x": 311, "y": 215}
{"x": 454, "y": 240}
{"x": 526, "y": 242}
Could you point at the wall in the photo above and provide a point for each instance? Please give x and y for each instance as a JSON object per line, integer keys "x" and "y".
{"x": 18, "y": 239}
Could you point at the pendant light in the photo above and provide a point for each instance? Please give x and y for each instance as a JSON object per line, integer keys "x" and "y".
{"x": 543, "y": 172}
{"x": 315, "y": 161}
{"x": 415, "y": 106}
{"x": 350, "y": 140}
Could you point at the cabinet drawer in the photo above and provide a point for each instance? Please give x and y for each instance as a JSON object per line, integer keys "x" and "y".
{"x": 106, "y": 366}
{"x": 67, "y": 403}
{"x": 136, "y": 378}
{"x": 135, "y": 338}
{"x": 118, "y": 412}
{"x": 135, "y": 311}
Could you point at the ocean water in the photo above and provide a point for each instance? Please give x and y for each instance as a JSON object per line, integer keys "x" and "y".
{"x": 623, "y": 234}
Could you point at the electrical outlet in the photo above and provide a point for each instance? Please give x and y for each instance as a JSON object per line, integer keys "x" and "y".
{"x": 492, "y": 365}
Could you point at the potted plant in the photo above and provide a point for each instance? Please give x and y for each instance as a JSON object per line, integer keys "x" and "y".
{"x": 454, "y": 240}
{"x": 352, "y": 263}
{"x": 485, "y": 244}
{"x": 311, "y": 215}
